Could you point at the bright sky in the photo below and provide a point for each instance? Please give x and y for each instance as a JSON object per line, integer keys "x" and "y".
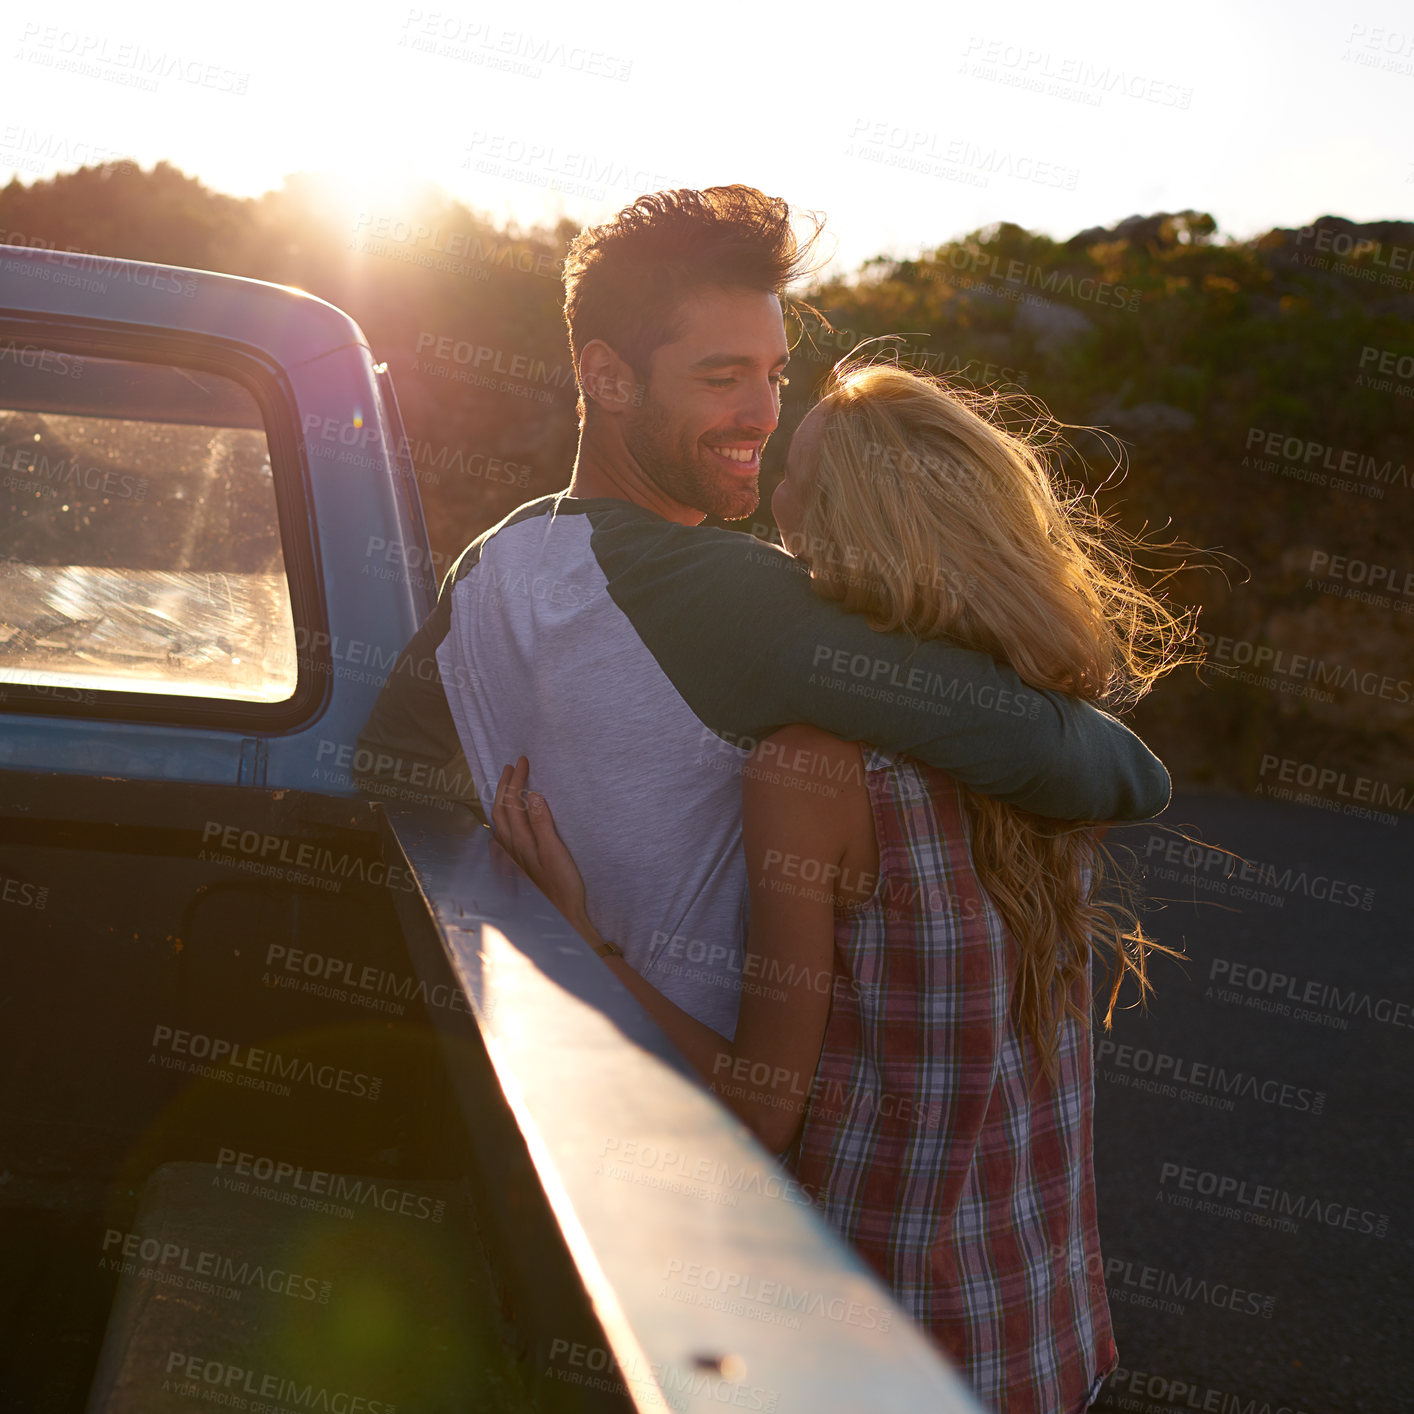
{"x": 906, "y": 129}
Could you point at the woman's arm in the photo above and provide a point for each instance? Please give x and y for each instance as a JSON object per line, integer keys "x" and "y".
{"x": 797, "y": 795}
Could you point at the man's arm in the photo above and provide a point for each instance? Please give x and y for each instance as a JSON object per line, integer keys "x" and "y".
{"x": 408, "y": 750}
{"x": 737, "y": 627}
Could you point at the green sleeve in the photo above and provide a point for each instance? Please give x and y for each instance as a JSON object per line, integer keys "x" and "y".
{"x": 751, "y": 647}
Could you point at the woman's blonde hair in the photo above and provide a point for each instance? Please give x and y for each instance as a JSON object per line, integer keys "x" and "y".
{"x": 925, "y": 513}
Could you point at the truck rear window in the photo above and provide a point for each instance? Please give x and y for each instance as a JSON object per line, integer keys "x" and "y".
{"x": 139, "y": 540}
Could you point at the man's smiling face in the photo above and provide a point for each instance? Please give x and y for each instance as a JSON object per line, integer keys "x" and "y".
{"x": 713, "y": 398}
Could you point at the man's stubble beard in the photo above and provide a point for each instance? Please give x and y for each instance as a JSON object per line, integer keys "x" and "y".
{"x": 675, "y": 466}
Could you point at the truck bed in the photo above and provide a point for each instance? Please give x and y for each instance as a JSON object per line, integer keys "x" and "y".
{"x": 228, "y": 1134}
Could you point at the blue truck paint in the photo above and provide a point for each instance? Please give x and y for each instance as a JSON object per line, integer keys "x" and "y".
{"x": 522, "y": 975}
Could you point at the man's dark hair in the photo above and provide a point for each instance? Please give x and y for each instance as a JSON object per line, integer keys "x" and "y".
{"x": 625, "y": 280}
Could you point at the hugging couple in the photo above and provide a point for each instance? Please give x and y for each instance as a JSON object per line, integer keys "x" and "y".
{"x": 833, "y": 817}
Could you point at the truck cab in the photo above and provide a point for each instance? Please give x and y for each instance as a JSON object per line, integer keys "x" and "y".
{"x": 311, "y": 1101}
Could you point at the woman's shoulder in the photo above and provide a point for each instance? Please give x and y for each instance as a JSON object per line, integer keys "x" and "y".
{"x": 803, "y": 785}
{"x": 806, "y": 764}
{"x": 803, "y": 751}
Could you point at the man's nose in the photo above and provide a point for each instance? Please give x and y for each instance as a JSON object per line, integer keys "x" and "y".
{"x": 760, "y": 408}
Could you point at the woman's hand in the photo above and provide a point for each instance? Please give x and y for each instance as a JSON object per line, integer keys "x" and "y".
{"x": 525, "y": 829}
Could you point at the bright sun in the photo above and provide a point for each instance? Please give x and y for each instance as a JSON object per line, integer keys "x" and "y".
{"x": 358, "y": 198}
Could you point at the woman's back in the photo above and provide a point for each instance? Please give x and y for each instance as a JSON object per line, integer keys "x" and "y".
{"x": 934, "y": 1144}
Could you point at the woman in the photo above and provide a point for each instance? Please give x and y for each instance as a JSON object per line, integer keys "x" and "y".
{"x": 914, "y": 1023}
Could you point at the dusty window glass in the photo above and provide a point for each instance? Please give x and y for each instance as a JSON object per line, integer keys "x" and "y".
{"x": 139, "y": 541}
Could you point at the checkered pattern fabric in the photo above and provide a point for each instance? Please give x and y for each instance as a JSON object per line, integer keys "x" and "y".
{"x": 926, "y": 1145}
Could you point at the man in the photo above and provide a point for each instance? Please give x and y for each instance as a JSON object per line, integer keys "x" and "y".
{"x": 636, "y": 658}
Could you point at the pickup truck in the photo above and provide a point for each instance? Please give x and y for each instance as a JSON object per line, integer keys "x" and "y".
{"x": 310, "y": 1100}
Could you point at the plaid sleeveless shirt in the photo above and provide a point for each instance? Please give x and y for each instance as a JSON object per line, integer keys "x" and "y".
{"x": 925, "y": 1147}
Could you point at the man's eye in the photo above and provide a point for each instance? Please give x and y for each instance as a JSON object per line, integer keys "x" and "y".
{"x": 778, "y": 379}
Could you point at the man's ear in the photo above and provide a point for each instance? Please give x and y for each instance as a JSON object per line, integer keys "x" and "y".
{"x": 606, "y": 379}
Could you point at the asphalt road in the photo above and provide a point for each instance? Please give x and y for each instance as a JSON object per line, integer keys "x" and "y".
{"x": 1257, "y": 1239}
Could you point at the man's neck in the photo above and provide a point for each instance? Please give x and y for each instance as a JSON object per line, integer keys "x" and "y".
{"x": 603, "y": 466}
